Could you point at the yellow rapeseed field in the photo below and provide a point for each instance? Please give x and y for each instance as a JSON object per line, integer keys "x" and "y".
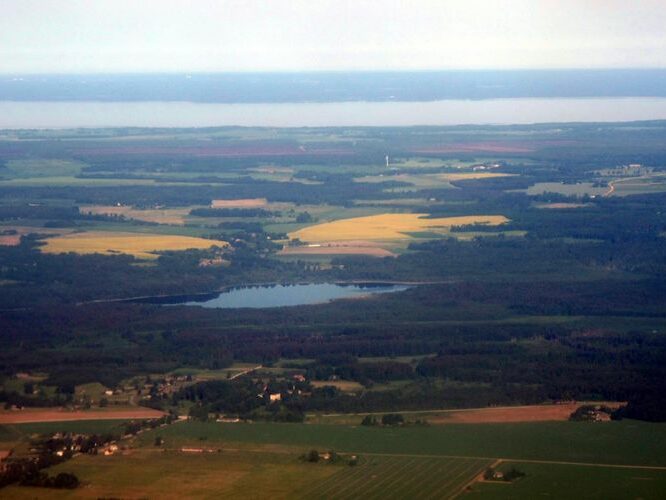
{"x": 388, "y": 227}
{"x": 141, "y": 246}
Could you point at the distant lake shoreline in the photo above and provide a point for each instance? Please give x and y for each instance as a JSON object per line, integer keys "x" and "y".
{"x": 23, "y": 115}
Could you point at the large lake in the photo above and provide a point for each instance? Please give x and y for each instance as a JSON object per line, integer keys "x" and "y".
{"x": 28, "y": 114}
{"x": 276, "y": 295}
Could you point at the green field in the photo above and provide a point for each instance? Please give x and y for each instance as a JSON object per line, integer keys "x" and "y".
{"x": 624, "y": 442}
{"x": 558, "y": 481}
{"x": 260, "y": 460}
{"x": 81, "y": 426}
{"x": 398, "y": 477}
{"x": 153, "y": 473}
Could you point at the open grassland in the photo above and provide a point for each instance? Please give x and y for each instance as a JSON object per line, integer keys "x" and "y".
{"x": 398, "y": 477}
{"x": 388, "y": 227}
{"x": 40, "y": 167}
{"x": 564, "y": 482}
{"x": 160, "y": 216}
{"x": 143, "y": 246}
{"x": 153, "y": 473}
{"x": 416, "y": 181}
{"x": 260, "y": 460}
{"x": 577, "y": 189}
{"x": 625, "y": 442}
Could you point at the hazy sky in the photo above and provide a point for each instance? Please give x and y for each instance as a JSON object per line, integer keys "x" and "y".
{"x": 258, "y": 35}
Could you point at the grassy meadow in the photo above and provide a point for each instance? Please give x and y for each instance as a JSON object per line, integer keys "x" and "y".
{"x": 260, "y": 460}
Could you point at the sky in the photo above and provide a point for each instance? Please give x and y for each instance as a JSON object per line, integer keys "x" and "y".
{"x": 88, "y": 36}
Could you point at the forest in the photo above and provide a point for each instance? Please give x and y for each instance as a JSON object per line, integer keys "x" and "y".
{"x": 565, "y": 301}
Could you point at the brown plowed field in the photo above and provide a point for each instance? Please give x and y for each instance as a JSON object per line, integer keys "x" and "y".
{"x": 538, "y": 413}
{"x": 61, "y": 415}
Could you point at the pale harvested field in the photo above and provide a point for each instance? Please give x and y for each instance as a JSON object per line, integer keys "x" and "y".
{"x": 33, "y": 415}
{"x": 142, "y": 246}
{"x": 462, "y": 176}
{"x": 557, "y": 206}
{"x": 340, "y": 248}
{"x": 538, "y": 413}
{"x": 240, "y": 203}
{"x": 388, "y": 227}
{"x": 174, "y": 216}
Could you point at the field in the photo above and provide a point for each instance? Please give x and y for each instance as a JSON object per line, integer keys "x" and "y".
{"x": 343, "y": 385}
{"x": 143, "y": 246}
{"x": 638, "y": 185}
{"x": 579, "y": 189}
{"x": 227, "y": 474}
{"x": 340, "y": 248}
{"x": 160, "y": 216}
{"x": 463, "y": 176}
{"x": 240, "y": 203}
{"x": 501, "y": 414}
{"x": 10, "y": 240}
{"x": 388, "y": 227}
{"x": 35, "y": 415}
{"x": 260, "y": 460}
{"x": 562, "y": 481}
{"x": 479, "y": 147}
{"x": 623, "y": 443}
{"x": 399, "y": 477}
{"x": 560, "y": 206}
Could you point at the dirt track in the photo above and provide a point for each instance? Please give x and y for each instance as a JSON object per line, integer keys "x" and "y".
{"x": 34, "y": 415}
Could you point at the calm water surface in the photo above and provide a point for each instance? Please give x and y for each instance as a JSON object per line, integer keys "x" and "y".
{"x": 277, "y": 295}
{"x": 27, "y": 115}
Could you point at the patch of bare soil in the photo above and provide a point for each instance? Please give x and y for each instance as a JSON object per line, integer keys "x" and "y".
{"x": 32, "y": 415}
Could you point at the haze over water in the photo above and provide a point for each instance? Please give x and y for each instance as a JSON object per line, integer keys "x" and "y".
{"x": 55, "y": 115}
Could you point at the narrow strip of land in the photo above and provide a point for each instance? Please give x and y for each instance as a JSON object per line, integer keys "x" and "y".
{"x": 59, "y": 415}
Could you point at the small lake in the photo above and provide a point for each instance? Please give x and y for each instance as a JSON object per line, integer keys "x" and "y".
{"x": 56, "y": 115}
{"x": 276, "y": 295}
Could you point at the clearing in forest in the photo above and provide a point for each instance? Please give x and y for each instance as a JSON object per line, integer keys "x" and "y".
{"x": 142, "y": 246}
{"x": 388, "y": 227}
